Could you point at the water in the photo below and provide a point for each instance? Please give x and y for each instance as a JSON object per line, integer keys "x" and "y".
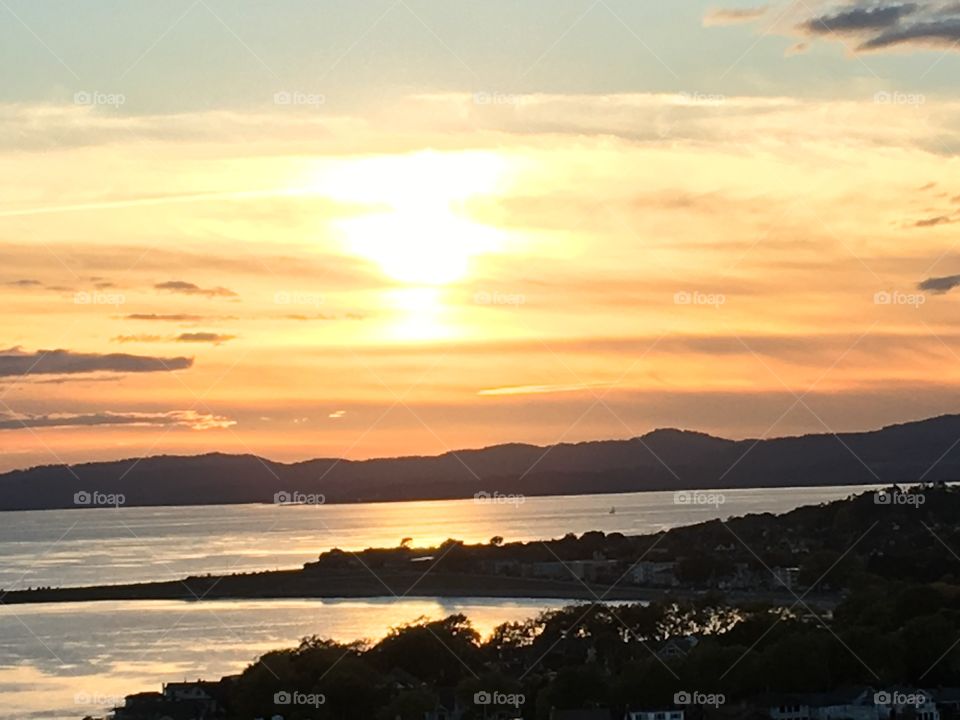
{"x": 64, "y": 661}
{"x": 101, "y": 546}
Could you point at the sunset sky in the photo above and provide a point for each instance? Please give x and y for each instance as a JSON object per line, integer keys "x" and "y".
{"x": 304, "y": 229}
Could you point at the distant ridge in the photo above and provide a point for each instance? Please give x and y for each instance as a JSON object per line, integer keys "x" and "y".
{"x": 666, "y": 459}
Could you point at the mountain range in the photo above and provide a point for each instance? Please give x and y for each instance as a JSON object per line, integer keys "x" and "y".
{"x": 668, "y": 459}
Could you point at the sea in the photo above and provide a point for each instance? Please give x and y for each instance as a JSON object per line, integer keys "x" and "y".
{"x": 70, "y": 660}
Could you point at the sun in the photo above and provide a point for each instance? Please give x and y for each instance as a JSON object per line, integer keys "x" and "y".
{"x": 419, "y": 232}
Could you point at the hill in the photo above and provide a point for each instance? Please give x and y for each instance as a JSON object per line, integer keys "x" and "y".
{"x": 927, "y": 450}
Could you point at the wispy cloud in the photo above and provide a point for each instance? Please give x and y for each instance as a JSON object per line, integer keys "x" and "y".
{"x": 192, "y": 337}
{"x": 15, "y": 361}
{"x": 188, "y": 288}
{"x": 153, "y": 317}
{"x": 173, "y": 418}
{"x": 733, "y": 16}
{"x": 540, "y": 389}
{"x": 204, "y": 337}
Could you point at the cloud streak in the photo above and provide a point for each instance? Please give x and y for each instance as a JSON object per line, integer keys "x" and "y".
{"x": 15, "y": 362}
{"x": 886, "y": 25}
{"x": 940, "y": 285}
{"x": 173, "y": 418}
{"x": 153, "y": 317}
{"x": 188, "y": 288}
{"x": 733, "y": 16}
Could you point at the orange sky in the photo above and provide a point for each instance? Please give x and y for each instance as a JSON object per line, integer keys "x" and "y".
{"x": 446, "y": 269}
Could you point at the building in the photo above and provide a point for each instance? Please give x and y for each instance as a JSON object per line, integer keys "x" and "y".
{"x": 677, "y": 647}
{"x": 671, "y": 714}
{"x": 655, "y": 574}
{"x": 848, "y": 704}
{"x": 587, "y": 570}
{"x": 785, "y": 577}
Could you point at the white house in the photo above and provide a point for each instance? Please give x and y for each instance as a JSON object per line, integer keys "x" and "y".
{"x": 654, "y": 715}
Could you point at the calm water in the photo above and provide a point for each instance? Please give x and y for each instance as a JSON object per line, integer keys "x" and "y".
{"x": 66, "y": 661}
{"x": 70, "y": 660}
{"x": 97, "y": 546}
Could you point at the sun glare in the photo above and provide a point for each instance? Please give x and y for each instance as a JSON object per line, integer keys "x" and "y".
{"x": 419, "y": 232}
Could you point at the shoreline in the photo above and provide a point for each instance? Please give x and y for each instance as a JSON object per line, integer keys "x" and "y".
{"x": 458, "y": 498}
{"x": 298, "y": 584}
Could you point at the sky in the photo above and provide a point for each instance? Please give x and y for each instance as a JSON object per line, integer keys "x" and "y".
{"x": 359, "y": 229}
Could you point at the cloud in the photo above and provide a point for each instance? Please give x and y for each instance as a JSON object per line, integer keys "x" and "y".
{"x": 882, "y": 25}
{"x": 195, "y": 337}
{"x": 204, "y": 337}
{"x": 733, "y": 16}
{"x": 14, "y": 362}
{"x": 138, "y": 339}
{"x": 164, "y": 318}
{"x": 540, "y": 389}
{"x": 25, "y": 283}
{"x": 188, "y": 288}
{"x": 933, "y": 221}
{"x": 317, "y": 316}
{"x": 940, "y": 285}
{"x": 173, "y": 418}
{"x": 857, "y": 19}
